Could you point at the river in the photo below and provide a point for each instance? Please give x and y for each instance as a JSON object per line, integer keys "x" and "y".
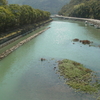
{"x": 23, "y": 76}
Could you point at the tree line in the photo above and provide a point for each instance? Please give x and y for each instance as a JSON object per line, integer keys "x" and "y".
{"x": 13, "y": 16}
{"x": 82, "y": 8}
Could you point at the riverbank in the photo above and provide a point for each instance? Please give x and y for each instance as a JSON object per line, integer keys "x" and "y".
{"x": 92, "y": 22}
{"x": 12, "y": 36}
{"x": 7, "y": 52}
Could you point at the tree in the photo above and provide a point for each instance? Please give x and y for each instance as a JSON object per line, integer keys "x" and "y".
{"x": 5, "y": 19}
{"x": 14, "y": 16}
{"x": 82, "y": 8}
{"x": 16, "y": 11}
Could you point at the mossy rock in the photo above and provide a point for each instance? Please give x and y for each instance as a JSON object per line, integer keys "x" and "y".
{"x": 78, "y": 77}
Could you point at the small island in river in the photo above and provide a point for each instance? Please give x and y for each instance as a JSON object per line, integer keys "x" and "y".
{"x": 79, "y": 77}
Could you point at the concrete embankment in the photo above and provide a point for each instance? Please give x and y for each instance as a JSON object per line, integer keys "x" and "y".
{"x": 10, "y": 41}
{"x": 7, "y": 52}
{"x": 92, "y": 22}
{"x": 5, "y": 40}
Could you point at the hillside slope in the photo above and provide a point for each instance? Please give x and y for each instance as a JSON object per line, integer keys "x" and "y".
{"x": 53, "y": 6}
{"x": 82, "y": 8}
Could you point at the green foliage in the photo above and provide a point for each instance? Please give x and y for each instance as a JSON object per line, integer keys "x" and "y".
{"x": 5, "y": 19}
{"x": 79, "y": 5}
{"x": 13, "y": 16}
{"x": 82, "y": 8}
{"x": 98, "y": 98}
{"x": 78, "y": 77}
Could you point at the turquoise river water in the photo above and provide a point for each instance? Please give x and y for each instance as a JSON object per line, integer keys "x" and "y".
{"x": 24, "y": 77}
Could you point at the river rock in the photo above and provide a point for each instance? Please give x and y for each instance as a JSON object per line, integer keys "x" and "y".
{"x": 85, "y": 41}
{"x": 43, "y": 59}
{"x": 75, "y": 40}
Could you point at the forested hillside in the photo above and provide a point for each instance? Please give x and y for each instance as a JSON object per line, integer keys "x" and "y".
{"x": 53, "y": 6}
{"x": 82, "y": 8}
{"x": 14, "y": 16}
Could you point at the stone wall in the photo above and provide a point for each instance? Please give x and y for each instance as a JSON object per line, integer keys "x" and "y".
{"x": 7, "y": 52}
{"x": 23, "y": 32}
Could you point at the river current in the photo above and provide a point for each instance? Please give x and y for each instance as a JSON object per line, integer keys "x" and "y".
{"x": 23, "y": 76}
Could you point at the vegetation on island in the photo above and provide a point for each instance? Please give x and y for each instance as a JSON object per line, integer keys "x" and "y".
{"x": 79, "y": 77}
{"x": 82, "y": 9}
{"x": 14, "y": 16}
{"x": 98, "y": 98}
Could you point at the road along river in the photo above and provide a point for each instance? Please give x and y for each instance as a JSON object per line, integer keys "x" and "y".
{"x": 23, "y": 76}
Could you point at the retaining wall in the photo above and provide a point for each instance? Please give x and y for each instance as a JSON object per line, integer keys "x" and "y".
{"x": 9, "y": 39}
{"x": 7, "y": 52}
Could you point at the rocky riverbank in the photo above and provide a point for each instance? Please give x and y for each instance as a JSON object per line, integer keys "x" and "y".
{"x": 7, "y": 52}
{"x": 92, "y": 22}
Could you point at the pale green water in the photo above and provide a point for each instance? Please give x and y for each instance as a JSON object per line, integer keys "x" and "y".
{"x": 24, "y": 77}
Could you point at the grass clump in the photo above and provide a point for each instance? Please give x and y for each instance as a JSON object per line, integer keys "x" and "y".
{"x": 78, "y": 77}
{"x": 98, "y": 98}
